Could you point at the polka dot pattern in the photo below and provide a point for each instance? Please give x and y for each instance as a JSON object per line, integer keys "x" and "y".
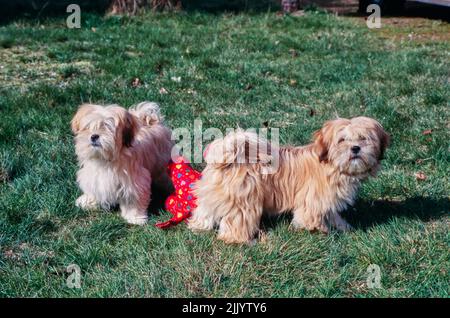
{"x": 181, "y": 203}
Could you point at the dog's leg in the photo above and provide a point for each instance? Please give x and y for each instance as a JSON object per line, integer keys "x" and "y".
{"x": 209, "y": 210}
{"x": 297, "y": 222}
{"x": 240, "y": 225}
{"x": 134, "y": 208}
{"x": 309, "y": 219}
{"x": 201, "y": 219}
{"x": 87, "y": 202}
{"x": 133, "y": 214}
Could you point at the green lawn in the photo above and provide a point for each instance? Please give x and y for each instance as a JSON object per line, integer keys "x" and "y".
{"x": 243, "y": 69}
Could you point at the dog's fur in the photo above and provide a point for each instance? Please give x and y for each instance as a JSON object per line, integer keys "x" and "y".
{"x": 315, "y": 182}
{"x": 120, "y": 154}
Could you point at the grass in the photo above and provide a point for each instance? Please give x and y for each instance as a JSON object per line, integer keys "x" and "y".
{"x": 236, "y": 69}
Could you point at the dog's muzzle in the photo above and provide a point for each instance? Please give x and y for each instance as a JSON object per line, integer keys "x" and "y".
{"x": 95, "y": 140}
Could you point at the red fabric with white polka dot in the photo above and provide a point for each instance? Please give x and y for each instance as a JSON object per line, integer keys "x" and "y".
{"x": 182, "y": 202}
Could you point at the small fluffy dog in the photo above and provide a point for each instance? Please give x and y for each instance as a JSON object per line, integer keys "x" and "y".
{"x": 315, "y": 182}
{"x": 120, "y": 153}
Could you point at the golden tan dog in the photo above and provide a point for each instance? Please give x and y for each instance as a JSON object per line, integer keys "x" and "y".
{"x": 316, "y": 182}
{"x": 120, "y": 153}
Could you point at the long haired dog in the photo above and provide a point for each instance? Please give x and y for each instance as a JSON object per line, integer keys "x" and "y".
{"x": 315, "y": 182}
{"x": 120, "y": 153}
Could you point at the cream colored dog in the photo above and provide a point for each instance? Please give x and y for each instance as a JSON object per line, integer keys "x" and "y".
{"x": 316, "y": 182}
{"x": 120, "y": 153}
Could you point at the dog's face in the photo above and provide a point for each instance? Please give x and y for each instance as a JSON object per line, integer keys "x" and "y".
{"x": 354, "y": 146}
{"x": 101, "y": 132}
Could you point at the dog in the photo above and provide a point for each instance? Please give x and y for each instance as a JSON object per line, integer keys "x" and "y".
{"x": 315, "y": 182}
{"x": 120, "y": 153}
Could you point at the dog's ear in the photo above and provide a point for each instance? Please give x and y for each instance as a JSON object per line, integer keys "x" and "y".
{"x": 385, "y": 140}
{"x": 129, "y": 128}
{"x": 375, "y": 128}
{"x": 322, "y": 141}
{"x": 82, "y": 111}
{"x": 126, "y": 124}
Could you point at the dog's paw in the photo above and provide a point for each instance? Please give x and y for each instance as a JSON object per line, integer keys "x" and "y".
{"x": 228, "y": 238}
{"x": 197, "y": 226}
{"x": 297, "y": 226}
{"x": 86, "y": 202}
{"x": 135, "y": 220}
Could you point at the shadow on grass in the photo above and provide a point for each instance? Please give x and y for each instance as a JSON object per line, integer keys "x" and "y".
{"x": 159, "y": 197}
{"x": 367, "y": 214}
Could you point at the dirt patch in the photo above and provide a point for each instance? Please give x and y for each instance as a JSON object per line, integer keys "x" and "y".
{"x": 21, "y": 67}
{"x": 415, "y": 29}
{"x": 21, "y": 252}
{"x": 411, "y": 29}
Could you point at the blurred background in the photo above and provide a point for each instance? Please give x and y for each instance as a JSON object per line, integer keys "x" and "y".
{"x": 38, "y": 8}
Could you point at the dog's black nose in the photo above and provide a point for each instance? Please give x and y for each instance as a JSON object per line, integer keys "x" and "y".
{"x": 94, "y": 137}
{"x": 356, "y": 149}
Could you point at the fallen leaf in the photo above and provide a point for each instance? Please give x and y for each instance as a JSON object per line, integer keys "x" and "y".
{"x": 421, "y": 176}
{"x": 293, "y": 82}
{"x": 136, "y": 82}
{"x": 176, "y": 79}
{"x": 427, "y": 132}
{"x": 162, "y": 90}
{"x": 293, "y": 53}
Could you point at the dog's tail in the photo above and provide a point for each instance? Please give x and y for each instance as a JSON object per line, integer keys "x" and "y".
{"x": 148, "y": 112}
{"x": 240, "y": 147}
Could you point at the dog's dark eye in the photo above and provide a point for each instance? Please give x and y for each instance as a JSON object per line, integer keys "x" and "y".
{"x": 340, "y": 140}
{"x": 362, "y": 138}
